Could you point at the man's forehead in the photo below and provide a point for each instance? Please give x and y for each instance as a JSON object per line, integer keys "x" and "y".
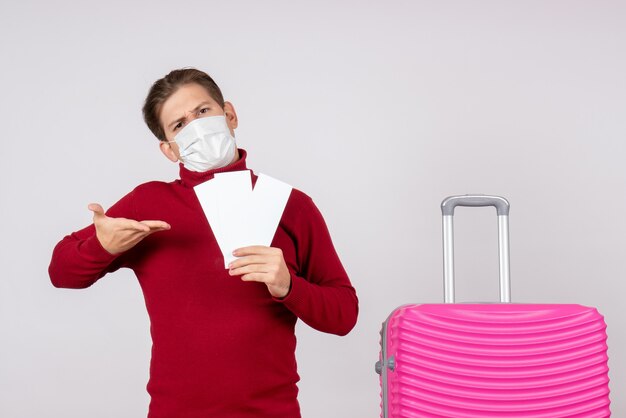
{"x": 183, "y": 101}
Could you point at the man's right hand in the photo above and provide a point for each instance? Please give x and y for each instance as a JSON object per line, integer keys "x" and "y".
{"x": 117, "y": 235}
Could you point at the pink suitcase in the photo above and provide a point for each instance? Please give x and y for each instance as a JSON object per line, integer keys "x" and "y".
{"x": 480, "y": 360}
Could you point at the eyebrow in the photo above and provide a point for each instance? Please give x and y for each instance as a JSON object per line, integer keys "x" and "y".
{"x": 194, "y": 110}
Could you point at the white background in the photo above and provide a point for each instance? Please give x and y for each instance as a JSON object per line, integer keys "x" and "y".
{"x": 378, "y": 110}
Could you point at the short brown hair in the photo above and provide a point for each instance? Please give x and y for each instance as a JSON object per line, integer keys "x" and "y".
{"x": 163, "y": 88}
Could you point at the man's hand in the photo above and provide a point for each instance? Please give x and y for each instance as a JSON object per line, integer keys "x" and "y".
{"x": 262, "y": 264}
{"x": 120, "y": 234}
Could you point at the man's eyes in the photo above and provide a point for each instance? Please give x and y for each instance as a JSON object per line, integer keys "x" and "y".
{"x": 201, "y": 111}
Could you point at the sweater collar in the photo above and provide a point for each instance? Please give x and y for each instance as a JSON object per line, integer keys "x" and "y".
{"x": 192, "y": 178}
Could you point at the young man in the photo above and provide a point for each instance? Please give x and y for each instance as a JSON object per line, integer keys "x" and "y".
{"x": 223, "y": 339}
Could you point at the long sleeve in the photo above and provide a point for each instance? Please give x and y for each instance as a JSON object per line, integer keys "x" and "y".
{"x": 321, "y": 294}
{"x": 79, "y": 259}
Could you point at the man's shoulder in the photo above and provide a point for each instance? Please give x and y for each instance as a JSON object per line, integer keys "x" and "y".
{"x": 154, "y": 189}
{"x": 301, "y": 208}
{"x": 155, "y": 186}
{"x": 299, "y": 196}
{"x": 299, "y": 200}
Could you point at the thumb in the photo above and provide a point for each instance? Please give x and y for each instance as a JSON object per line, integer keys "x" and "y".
{"x": 97, "y": 210}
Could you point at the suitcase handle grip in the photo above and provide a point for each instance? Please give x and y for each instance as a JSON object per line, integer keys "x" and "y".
{"x": 447, "y": 209}
{"x": 501, "y": 204}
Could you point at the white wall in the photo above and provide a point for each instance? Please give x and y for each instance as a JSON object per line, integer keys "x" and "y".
{"x": 378, "y": 110}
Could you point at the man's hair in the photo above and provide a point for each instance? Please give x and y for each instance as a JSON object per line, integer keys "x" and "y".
{"x": 163, "y": 88}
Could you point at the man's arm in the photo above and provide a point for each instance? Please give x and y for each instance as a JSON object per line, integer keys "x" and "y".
{"x": 79, "y": 259}
{"x": 84, "y": 256}
{"x": 321, "y": 295}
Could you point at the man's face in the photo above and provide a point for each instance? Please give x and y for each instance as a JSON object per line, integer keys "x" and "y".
{"x": 189, "y": 102}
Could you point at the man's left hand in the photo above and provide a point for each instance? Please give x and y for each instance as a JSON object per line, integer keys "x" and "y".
{"x": 267, "y": 265}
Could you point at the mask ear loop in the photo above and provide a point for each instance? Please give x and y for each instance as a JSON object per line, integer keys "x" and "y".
{"x": 180, "y": 150}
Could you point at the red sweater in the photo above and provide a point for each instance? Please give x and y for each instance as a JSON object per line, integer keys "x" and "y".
{"x": 221, "y": 347}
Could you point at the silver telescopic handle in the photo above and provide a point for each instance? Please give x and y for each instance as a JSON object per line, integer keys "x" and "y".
{"x": 447, "y": 209}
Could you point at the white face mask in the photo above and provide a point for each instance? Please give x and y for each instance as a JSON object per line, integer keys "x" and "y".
{"x": 206, "y": 143}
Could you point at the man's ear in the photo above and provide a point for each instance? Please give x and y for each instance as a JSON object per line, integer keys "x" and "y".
{"x": 167, "y": 150}
{"x": 231, "y": 115}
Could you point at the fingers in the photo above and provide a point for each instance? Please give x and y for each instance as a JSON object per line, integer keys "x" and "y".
{"x": 156, "y": 225}
{"x": 255, "y": 249}
{"x": 130, "y": 224}
{"x": 255, "y": 277}
{"x": 263, "y": 268}
{"x": 250, "y": 268}
{"x": 120, "y": 223}
{"x": 250, "y": 259}
{"x": 120, "y": 234}
{"x": 127, "y": 224}
{"x": 263, "y": 259}
{"x": 96, "y": 209}
{"x": 262, "y": 264}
